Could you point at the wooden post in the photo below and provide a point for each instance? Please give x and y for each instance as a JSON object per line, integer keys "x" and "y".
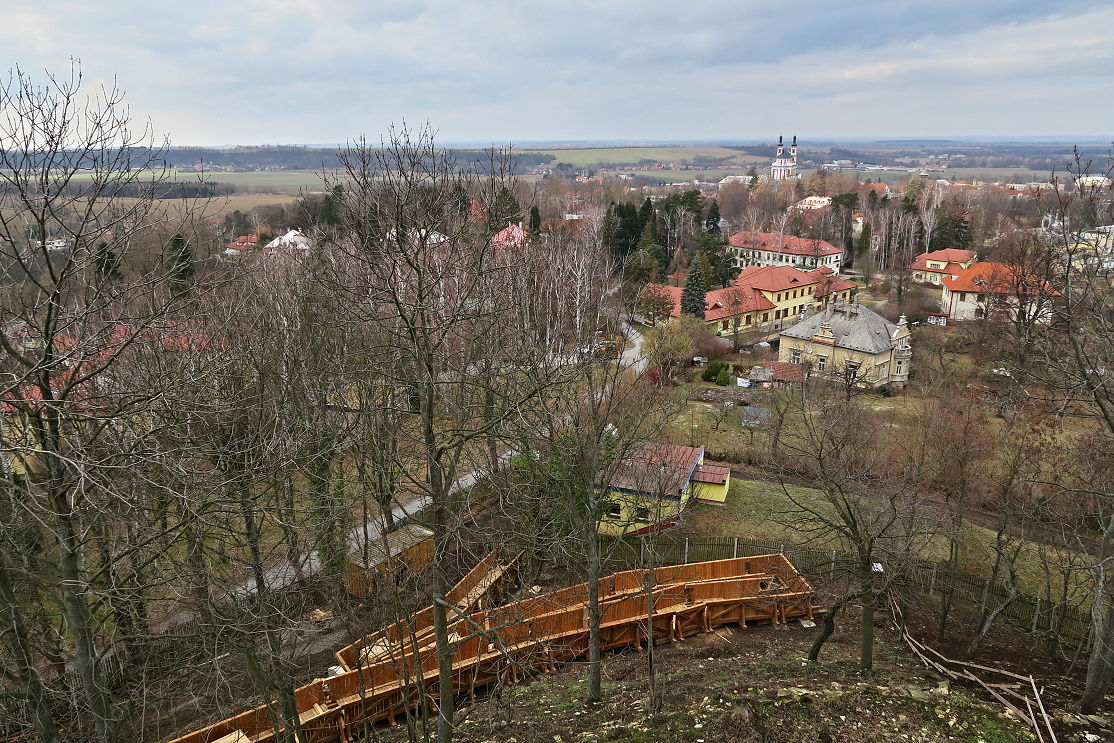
{"x": 686, "y": 560}
{"x": 932, "y": 583}
{"x": 736, "y": 555}
{"x": 1036, "y": 613}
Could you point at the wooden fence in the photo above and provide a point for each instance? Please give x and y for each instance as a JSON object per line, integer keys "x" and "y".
{"x": 396, "y": 669}
{"x": 1066, "y": 622}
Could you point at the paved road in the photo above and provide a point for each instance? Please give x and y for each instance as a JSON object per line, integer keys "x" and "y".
{"x": 285, "y": 573}
{"x": 633, "y": 356}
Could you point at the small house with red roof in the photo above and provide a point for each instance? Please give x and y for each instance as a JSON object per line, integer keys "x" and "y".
{"x": 779, "y": 249}
{"x": 997, "y": 290}
{"x": 933, "y": 267}
{"x": 241, "y": 245}
{"x": 511, "y": 236}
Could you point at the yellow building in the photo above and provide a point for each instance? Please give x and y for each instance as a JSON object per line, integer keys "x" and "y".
{"x": 651, "y": 486}
{"x": 933, "y": 267}
{"x": 766, "y": 297}
{"x": 848, "y": 342}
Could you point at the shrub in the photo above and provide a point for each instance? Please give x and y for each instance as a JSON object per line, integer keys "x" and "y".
{"x": 723, "y": 378}
{"x": 711, "y": 372}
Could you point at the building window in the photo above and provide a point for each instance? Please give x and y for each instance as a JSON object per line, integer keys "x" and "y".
{"x": 963, "y": 296}
{"x": 765, "y": 316}
{"x": 821, "y": 363}
{"x": 725, "y": 325}
{"x": 613, "y": 510}
{"x": 853, "y": 369}
{"x": 749, "y": 318}
{"x": 642, "y": 514}
{"x": 795, "y": 355}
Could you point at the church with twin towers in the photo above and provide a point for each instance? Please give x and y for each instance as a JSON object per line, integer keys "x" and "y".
{"x": 785, "y": 163}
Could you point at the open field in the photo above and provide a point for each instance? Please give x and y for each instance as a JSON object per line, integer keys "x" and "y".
{"x": 635, "y": 155}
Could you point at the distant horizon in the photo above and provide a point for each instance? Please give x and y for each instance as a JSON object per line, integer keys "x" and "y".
{"x": 573, "y": 144}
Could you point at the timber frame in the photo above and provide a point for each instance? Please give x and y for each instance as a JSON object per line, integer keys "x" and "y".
{"x": 395, "y": 669}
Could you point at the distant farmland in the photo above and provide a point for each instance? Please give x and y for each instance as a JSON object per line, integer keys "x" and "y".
{"x": 636, "y": 155}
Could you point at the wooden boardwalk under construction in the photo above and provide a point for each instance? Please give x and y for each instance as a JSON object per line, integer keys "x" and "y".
{"x": 395, "y": 669}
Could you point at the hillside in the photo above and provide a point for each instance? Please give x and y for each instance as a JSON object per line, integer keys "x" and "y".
{"x": 751, "y": 685}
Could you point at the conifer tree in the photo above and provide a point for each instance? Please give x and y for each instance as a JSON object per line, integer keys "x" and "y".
{"x": 108, "y": 263}
{"x": 694, "y": 297}
{"x": 535, "y": 220}
{"x": 711, "y": 221}
{"x": 179, "y": 260}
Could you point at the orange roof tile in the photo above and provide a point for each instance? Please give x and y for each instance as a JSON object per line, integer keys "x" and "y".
{"x": 996, "y": 278}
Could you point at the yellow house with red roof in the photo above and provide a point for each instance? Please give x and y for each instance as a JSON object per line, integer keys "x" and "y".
{"x": 933, "y": 267}
{"x": 764, "y": 296}
{"x": 653, "y": 484}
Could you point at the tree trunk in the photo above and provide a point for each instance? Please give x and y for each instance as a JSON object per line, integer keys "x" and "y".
{"x": 866, "y": 647}
{"x": 829, "y": 624}
{"x": 28, "y": 677}
{"x": 595, "y": 660}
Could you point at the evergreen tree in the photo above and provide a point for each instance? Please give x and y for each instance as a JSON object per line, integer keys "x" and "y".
{"x": 864, "y": 240}
{"x": 720, "y": 261}
{"x": 504, "y": 210}
{"x": 694, "y": 297}
{"x": 608, "y": 229}
{"x": 711, "y": 221}
{"x": 179, "y": 259}
{"x": 329, "y": 216}
{"x": 535, "y": 220}
{"x": 646, "y": 213}
{"x": 108, "y": 263}
{"x": 951, "y": 231}
{"x": 651, "y": 246}
{"x": 642, "y": 267}
{"x": 628, "y": 229}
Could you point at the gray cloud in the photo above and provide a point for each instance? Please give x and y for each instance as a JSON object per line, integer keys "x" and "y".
{"x": 312, "y": 71}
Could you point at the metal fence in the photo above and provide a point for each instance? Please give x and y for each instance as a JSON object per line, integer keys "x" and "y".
{"x": 1065, "y": 622}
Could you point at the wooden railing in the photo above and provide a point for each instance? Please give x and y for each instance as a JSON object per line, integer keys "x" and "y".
{"x": 394, "y": 670}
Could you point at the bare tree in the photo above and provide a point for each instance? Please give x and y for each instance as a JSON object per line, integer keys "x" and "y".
{"x": 78, "y": 188}
{"x": 860, "y": 501}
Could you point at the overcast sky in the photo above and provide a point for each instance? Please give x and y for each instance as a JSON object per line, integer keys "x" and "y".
{"x": 324, "y": 71}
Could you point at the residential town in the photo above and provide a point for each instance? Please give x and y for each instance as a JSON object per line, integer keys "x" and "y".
{"x": 394, "y": 455}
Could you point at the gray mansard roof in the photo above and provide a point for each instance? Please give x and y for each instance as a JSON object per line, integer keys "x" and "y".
{"x": 853, "y": 327}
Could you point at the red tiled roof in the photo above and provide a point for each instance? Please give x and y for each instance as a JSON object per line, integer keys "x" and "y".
{"x": 511, "y": 236}
{"x": 746, "y": 295}
{"x": 244, "y": 242}
{"x": 780, "y": 278}
{"x": 785, "y": 371}
{"x": 954, "y": 257}
{"x": 779, "y": 243}
{"x": 721, "y": 302}
{"x": 658, "y": 469}
{"x": 997, "y": 278}
{"x": 713, "y": 474}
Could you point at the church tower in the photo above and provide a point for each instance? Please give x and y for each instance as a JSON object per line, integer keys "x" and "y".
{"x": 785, "y": 165}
